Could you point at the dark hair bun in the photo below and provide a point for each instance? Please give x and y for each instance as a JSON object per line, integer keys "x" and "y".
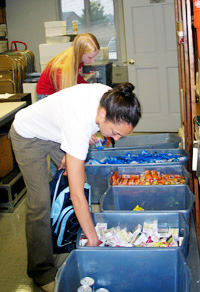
{"x": 126, "y": 87}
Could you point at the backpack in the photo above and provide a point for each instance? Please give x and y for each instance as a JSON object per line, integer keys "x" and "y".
{"x": 64, "y": 224}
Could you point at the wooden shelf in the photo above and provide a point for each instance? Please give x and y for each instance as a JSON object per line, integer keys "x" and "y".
{"x": 188, "y": 66}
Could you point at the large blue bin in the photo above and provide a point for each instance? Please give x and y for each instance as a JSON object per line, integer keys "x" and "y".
{"x": 150, "y": 141}
{"x": 141, "y": 270}
{"x": 131, "y": 220}
{"x": 97, "y": 175}
{"x": 177, "y": 198}
{"x": 163, "y": 169}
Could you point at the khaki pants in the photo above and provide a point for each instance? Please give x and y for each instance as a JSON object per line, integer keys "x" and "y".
{"x": 31, "y": 156}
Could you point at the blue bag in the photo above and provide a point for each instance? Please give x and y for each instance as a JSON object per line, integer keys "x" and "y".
{"x": 64, "y": 224}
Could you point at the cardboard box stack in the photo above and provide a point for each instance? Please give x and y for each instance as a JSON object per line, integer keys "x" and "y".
{"x": 3, "y": 38}
{"x": 56, "y": 41}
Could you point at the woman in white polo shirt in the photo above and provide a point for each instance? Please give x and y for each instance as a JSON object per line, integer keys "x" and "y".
{"x": 62, "y": 127}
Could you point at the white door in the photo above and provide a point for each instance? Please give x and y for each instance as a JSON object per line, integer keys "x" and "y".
{"x": 151, "y": 44}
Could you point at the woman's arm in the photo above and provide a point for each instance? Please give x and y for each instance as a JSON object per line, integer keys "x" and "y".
{"x": 80, "y": 79}
{"x": 76, "y": 178}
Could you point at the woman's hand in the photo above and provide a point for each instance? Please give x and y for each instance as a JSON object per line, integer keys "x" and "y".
{"x": 93, "y": 242}
{"x": 93, "y": 139}
{"x": 63, "y": 165}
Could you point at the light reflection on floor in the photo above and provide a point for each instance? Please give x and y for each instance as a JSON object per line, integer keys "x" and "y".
{"x": 13, "y": 262}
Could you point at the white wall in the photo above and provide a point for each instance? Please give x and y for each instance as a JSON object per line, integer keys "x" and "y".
{"x": 25, "y": 22}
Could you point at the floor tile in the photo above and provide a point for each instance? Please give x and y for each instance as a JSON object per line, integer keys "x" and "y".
{"x": 13, "y": 259}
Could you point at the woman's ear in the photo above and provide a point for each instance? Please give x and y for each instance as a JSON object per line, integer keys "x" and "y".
{"x": 102, "y": 113}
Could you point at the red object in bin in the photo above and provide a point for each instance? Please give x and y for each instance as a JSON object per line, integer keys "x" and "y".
{"x": 15, "y": 43}
{"x": 196, "y": 10}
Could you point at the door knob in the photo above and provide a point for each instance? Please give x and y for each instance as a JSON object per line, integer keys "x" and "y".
{"x": 131, "y": 61}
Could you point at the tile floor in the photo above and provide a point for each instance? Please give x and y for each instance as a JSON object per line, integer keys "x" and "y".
{"x": 13, "y": 277}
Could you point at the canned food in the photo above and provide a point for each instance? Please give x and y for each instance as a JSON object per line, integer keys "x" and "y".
{"x": 84, "y": 289}
{"x": 87, "y": 281}
{"x": 102, "y": 290}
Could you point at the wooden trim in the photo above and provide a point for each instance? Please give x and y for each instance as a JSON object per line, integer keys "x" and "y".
{"x": 188, "y": 63}
{"x": 188, "y": 121}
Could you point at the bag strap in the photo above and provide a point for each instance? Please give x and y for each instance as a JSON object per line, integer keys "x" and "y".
{"x": 88, "y": 187}
{"x": 58, "y": 205}
{"x": 61, "y": 217}
{"x": 62, "y": 229}
{"x": 57, "y": 185}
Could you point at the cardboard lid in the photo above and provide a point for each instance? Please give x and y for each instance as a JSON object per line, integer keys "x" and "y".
{"x": 54, "y": 23}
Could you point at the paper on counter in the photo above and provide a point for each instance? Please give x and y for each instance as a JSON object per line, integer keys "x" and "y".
{"x": 6, "y": 95}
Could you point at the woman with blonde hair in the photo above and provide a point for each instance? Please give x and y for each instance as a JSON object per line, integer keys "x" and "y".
{"x": 63, "y": 70}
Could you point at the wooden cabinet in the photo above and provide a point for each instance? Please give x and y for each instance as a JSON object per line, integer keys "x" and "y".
{"x": 3, "y": 27}
{"x": 2, "y": 14}
{"x": 188, "y": 70}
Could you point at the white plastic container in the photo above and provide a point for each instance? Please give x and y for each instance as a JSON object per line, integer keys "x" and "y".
{"x": 55, "y": 28}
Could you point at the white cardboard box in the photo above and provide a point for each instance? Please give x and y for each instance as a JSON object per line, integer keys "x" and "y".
{"x": 55, "y": 28}
{"x": 119, "y": 73}
{"x": 57, "y": 39}
{"x": 30, "y": 87}
{"x": 48, "y": 51}
{"x": 42, "y": 66}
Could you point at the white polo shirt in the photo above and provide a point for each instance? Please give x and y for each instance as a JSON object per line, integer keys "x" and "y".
{"x": 66, "y": 117}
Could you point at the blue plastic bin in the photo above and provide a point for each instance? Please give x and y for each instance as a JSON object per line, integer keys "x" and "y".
{"x": 131, "y": 220}
{"x": 171, "y": 198}
{"x": 97, "y": 175}
{"x": 141, "y": 270}
{"x": 163, "y": 141}
{"x": 164, "y": 169}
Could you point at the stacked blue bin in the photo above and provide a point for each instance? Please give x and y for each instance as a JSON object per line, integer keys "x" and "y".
{"x": 133, "y": 269}
{"x": 97, "y": 174}
{"x": 126, "y": 270}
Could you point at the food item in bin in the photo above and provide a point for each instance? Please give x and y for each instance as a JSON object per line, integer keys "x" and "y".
{"x": 143, "y": 157}
{"x": 99, "y": 145}
{"x": 131, "y": 182}
{"x": 84, "y": 289}
{"x": 138, "y": 208}
{"x": 115, "y": 178}
{"x": 87, "y": 281}
{"x": 106, "y": 141}
{"x": 149, "y": 177}
{"x": 148, "y": 235}
{"x": 124, "y": 182}
{"x": 102, "y": 142}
